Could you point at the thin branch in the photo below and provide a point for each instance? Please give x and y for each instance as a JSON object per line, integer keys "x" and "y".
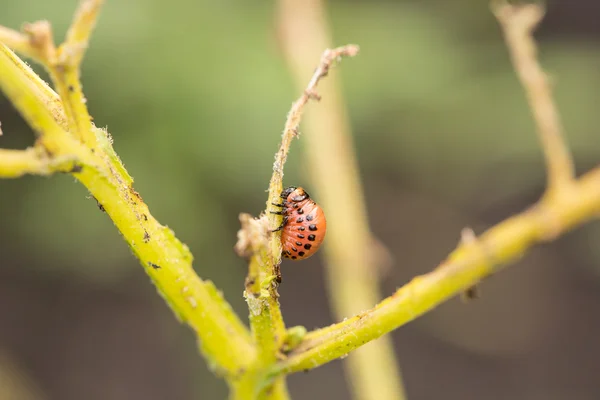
{"x": 67, "y": 70}
{"x": 269, "y": 265}
{"x": 468, "y": 264}
{"x": 16, "y": 163}
{"x": 28, "y": 92}
{"x": 476, "y": 258}
{"x": 291, "y": 130}
{"x": 352, "y": 256}
{"x": 35, "y": 161}
{"x": 18, "y": 42}
{"x": 78, "y": 35}
{"x": 276, "y": 185}
{"x": 63, "y": 64}
{"x": 518, "y": 23}
{"x": 264, "y": 250}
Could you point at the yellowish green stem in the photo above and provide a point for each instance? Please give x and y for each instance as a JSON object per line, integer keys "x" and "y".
{"x": 223, "y": 338}
{"x": 259, "y": 241}
{"x": 16, "y": 163}
{"x": 254, "y": 362}
{"x": 349, "y": 252}
{"x": 467, "y": 265}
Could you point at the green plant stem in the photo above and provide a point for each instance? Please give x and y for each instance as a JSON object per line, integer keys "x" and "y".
{"x": 277, "y": 391}
{"x": 253, "y": 385}
{"x": 352, "y": 274}
{"x": 262, "y": 245}
{"x": 466, "y": 266}
{"x": 223, "y": 338}
{"x": 244, "y": 388}
{"x": 266, "y": 321}
{"x": 16, "y": 163}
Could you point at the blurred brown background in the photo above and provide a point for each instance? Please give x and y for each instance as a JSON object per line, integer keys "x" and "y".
{"x": 195, "y": 94}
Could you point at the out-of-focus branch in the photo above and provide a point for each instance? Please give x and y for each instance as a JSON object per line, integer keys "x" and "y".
{"x": 467, "y": 265}
{"x": 567, "y": 204}
{"x": 65, "y": 70}
{"x": 16, "y": 382}
{"x": 19, "y": 42}
{"x": 518, "y": 23}
{"x": 353, "y": 274}
{"x": 79, "y": 33}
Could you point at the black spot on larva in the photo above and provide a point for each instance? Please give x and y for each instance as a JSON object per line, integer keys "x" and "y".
{"x": 301, "y": 211}
{"x": 145, "y": 217}
{"x": 71, "y": 88}
{"x": 294, "y": 249}
{"x": 307, "y": 246}
{"x": 155, "y": 266}
{"x": 312, "y": 227}
{"x": 301, "y": 228}
{"x": 300, "y": 220}
{"x": 294, "y": 257}
{"x": 289, "y": 253}
{"x": 298, "y": 243}
{"x": 309, "y": 217}
{"x": 301, "y": 253}
{"x": 146, "y": 237}
{"x": 311, "y": 238}
{"x": 300, "y": 236}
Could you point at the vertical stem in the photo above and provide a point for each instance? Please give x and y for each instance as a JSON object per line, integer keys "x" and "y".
{"x": 244, "y": 389}
{"x": 250, "y": 386}
{"x": 352, "y": 277}
{"x": 277, "y": 391}
{"x": 255, "y": 241}
{"x": 518, "y": 23}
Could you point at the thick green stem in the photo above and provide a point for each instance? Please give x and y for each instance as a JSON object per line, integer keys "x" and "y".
{"x": 252, "y": 385}
{"x": 224, "y": 339}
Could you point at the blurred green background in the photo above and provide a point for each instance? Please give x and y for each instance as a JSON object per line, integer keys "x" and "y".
{"x": 195, "y": 94}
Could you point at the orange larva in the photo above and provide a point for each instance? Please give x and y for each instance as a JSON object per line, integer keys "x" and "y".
{"x": 304, "y": 224}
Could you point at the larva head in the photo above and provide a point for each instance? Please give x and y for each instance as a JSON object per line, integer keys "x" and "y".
{"x": 294, "y": 194}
